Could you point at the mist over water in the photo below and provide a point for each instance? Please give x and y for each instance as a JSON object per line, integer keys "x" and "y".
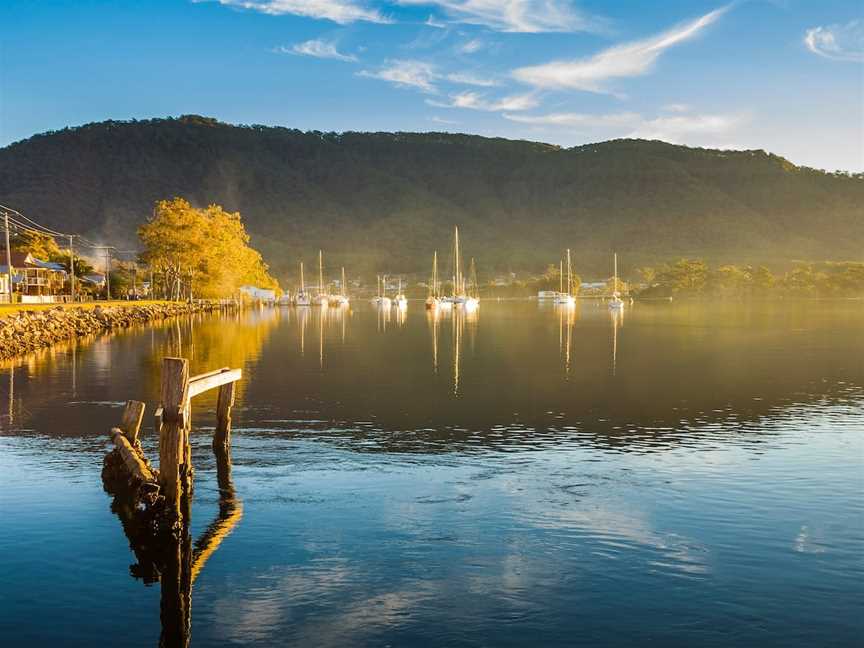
{"x": 524, "y": 475}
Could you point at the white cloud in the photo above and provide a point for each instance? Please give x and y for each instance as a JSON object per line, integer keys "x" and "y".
{"x": 477, "y": 101}
{"x": 627, "y": 119}
{"x": 514, "y": 15}
{"x": 472, "y": 46}
{"x": 676, "y": 108}
{"x": 413, "y": 74}
{"x": 677, "y": 129}
{"x": 423, "y": 76}
{"x": 318, "y": 49}
{"x": 466, "y": 78}
{"x": 340, "y": 11}
{"x": 445, "y": 122}
{"x": 837, "y": 42}
{"x": 432, "y": 22}
{"x": 626, "y": 60}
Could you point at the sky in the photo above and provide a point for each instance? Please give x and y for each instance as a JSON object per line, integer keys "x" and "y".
{"x": 786, "y": 76}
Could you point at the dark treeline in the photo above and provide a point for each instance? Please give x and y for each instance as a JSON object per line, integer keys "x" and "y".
{"x": 382, "y": 202}
{"x": 695, "y": 278}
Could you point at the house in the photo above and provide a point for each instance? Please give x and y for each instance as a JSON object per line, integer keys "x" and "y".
{"x": 259, "y": 294}
{"x": 36, "y": 281}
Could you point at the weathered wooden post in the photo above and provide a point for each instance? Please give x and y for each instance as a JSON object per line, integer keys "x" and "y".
{"x": 130, "y": 424}
{"x": 172, "y": 432}
{"x": 222, "y": 435}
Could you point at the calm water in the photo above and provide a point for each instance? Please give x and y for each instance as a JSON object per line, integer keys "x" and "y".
{"x": 686, "y": 475}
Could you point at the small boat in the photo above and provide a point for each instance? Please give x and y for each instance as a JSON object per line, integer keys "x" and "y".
{"x": 302, "y": 298}
{"x": 616, "y": 303}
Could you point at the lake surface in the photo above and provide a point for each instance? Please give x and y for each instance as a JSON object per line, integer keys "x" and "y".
{"x": 683, "y": 475}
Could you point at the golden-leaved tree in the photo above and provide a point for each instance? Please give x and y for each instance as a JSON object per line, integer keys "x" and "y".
{"x": 205, "y": 248}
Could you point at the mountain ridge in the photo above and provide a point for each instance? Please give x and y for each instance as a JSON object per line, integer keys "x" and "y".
{"x": 383, "y": 201}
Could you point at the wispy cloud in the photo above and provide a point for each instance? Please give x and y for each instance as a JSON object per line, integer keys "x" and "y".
{"x": 411, "y": 74}
{"x": 477, "y": 101}
{"x": 471, "y": 47}
{"x": 514, "y": 15}
{"x": 675, "y": 129}
{"x": 837, "y": 42}
{"x": 318, "y": 49}
{"x": 423, "y": 76}
{"x": 466, "y": 78}
{"x": 431, "y": 21}
{"x": 676, "y": 108}
{"x": 626, "y": 60}
{"x": 678, "y": 128}
{"x": 445, "y": 122}
{"x": 627, "y": 119}
{"x": 339, "y": 11}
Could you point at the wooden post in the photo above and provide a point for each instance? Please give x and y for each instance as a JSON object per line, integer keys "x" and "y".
{"x": 133, "y": 462}
{"x": 133, "y": 414}
{"x": 172, "y": 433}
{"x": 222, "y": 436}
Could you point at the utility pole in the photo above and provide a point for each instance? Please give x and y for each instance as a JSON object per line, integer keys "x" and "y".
{"x": 71, "y": 270}
{"x": 107, "y": 274}
{"x": 8, "y": 255}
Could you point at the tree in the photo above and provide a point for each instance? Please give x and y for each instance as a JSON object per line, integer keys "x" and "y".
{"x": 42, "y": 246}
{"x": 201, "y": 252}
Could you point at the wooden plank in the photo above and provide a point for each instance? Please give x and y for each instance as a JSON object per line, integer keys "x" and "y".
{"x": 200, "y": 384}
{"x": 133, "y": 414}
{"x": 131, "y": 459}
{"x": 175, "y": 401}
{"x": 208, "y": 374}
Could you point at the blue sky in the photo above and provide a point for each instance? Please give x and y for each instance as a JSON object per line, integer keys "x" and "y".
{"x": 782, "y": 75}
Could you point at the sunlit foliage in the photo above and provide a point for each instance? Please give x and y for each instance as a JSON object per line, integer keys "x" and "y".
{"x": 204, "y": 252}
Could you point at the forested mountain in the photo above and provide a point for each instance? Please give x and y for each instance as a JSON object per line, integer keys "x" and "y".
{"x": 385, "y": 201}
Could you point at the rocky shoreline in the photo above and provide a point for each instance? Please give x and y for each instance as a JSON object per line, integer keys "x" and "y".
{"x": 29, "y": 330}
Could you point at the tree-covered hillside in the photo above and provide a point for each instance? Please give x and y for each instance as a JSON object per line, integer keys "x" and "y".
{"x": 384, "y": 201}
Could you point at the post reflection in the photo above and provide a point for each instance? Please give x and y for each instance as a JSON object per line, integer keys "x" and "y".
{"x": 176, "y": 563}
{"x": 567, "y": 316}
{"x": 616, "y": 316}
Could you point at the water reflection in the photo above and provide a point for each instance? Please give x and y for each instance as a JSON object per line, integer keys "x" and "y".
{"x": 176, "y": 564}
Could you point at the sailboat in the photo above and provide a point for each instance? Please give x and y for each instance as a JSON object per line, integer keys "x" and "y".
{"x": 566, "y": 298}
{"x": 459, "y": 295}
{"x": 321, "y": 299}
{"x": 400, "y": 302}
{"x": 616, "y": 302}
{"x": 342, "y": 300}
{"x": 472, "y": 296}
{"x": 382, "y": 299}
{"x": 432, "y": 300}
{"x": 302, "y": 296}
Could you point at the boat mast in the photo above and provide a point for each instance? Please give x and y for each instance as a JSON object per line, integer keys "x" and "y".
{"x": 560, "y": 276}
{"x": 615, "y": 275}
{"x": 344, "y": 285}
{"x": 569, "y": 281}
{"x": 434, "y": 288}
{"x": 302, "y": 286}
{"x": 320, "y": 273}
{"x": 458, "y": 288}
